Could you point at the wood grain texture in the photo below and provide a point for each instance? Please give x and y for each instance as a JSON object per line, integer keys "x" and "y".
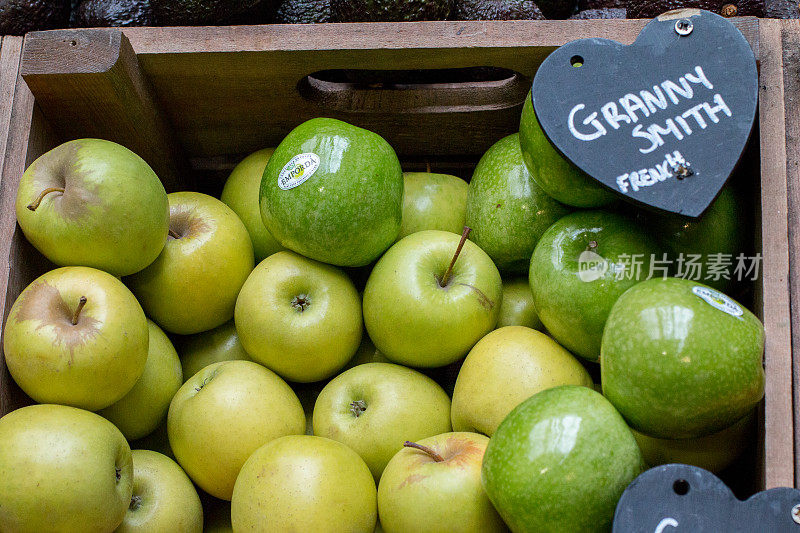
{"x": 790, "y": 41}
{"x": 89, "y": 84}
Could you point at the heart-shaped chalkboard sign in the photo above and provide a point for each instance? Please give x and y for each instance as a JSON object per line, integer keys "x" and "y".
{"x": 664, "y": 121}
{"x": 680, "y": 498}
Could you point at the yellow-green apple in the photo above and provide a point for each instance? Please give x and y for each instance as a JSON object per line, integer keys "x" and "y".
{"x": 304, "y": 483}
{"x": 94, "y": 203}
{"x": 213, "y": 346}
{"x": 435, "y": 485}
{"x": 164, "y": 498}
{"x": 681, "y": 360}
{"x": 366, "y": 353}
{"x": 76, "y": 336}
{"x": 579, "y": 268}
{"x": 517, "y": 308}
{"x": 224, "y": 413}
{"x": 333, "y": 192}
{"x": 140, "y": 411}
{"x": 714, "y": 452}
{"x": 552, "y": 171}
{"x": 241, "y": 194}
{"x": 505, "y": 368}
{"x": 560, "y": 462}
{"x": 192, "y": 286}
{"x": 375, "y": 407}
{"x": 433, "y": 201}
{"x": 299, "y": 317}
{"x": 62, "y": 469}
{"x": 507, "y": 211}
{"x": 430, "y": 298}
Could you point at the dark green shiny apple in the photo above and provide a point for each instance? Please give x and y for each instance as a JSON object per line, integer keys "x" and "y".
{"x": 681, "y": 360}
{"x": 507, "y": 211}
{"x": 579, "y": 268}
{"x": 560, "y": 461}
{"x": 556, "y": 175}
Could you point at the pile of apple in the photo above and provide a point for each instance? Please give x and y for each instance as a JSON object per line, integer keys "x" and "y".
{"x": 448, "y": 393}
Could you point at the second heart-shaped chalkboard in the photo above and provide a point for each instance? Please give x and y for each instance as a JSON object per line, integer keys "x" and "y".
{"x": 664, "y": 121}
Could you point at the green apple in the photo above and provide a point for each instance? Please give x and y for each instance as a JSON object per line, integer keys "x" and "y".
{"x": 426, "y": 304}
{"x": 157, "y": 441}
{"x": 581, "y": 265}
{"x": 433, "y": 201}
{"x": 333, "y": 192}
{"x": 560, "y": 462}
{"x": 241, "y": 194}
{"x": 505, "y": 368}
{"x": 714, "y": 452}
{"x": 192, "y": 286}
{"x": 202, "y": 349}
{"x": 224, "y": 413}
{"x": 556, "y": 175}
{"x": 140, "y": 411}
{"x": 62, "y": 469}
{"x": 375, "y": 407}
{"x": 507, "y": 211}
{"x": 76, "y": 336}
{"x": 435, "y": 485}
{"x": 299, "y": 317}
{"x": 517, "y": 308}
{"x": 366, "y": 353}
{"x": 164, "y": 498}
{"x": 681, "y": 360}
{"x": 94, "y": 203}
{"x": 718, "y": 231}
{"x": 304, "y": 483}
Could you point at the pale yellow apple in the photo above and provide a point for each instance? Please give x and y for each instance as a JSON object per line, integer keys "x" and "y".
{"x": 241, "y": 193}
{"x": 438, "y": 487}
{"x": 373, "y": 408}
{"x": 202, "y": 349}
{"x": 163, "y": 500}
{"x": 224, "y": 413}
{"x": 304, "y": 483}
{"x": 299, "y": 317}
{"x": 140, "y": 411}
{"x": 193, "y": 284}
{"x": 76, "y": 336}
{"x": 506, "y": 367}
{"x": 62, "y": 469}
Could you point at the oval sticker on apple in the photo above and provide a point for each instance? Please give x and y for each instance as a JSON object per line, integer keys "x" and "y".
{"x": 298, "y": 170}
{"x": 718, "y": 300}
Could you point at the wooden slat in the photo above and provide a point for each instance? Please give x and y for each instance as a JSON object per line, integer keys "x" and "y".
{"x": 89, "y": 84}
{"x": 790, "y": 36}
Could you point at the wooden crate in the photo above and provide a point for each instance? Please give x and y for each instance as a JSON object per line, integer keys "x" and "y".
{"x": 192, "y": 101}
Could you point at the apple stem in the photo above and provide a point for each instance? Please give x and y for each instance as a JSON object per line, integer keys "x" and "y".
{"x": 75, "y": 317}
{"x": 136, "y": 502}
{"x": 446, "y": 277}
{"x": 427, "y": 166}
{"x": 173, "y": 234}
{"x": 357, "y": 407}
{"x": 35, "y": 204}
{"x": 592, "y": 245}
{"x": 432, "y": 454}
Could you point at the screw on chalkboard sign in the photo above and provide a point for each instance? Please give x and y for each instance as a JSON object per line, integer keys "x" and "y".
{"x": 664, "y": 121}
{"x": 680, "y": 498}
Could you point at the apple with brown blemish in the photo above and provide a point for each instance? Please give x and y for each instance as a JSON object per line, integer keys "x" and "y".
{"x": 94, "y": 203}
{"x": 430, "y": 298}
{"x": 435, "y": 485}
{"x": 76, "y": 336}
{"x": 193, "y": 285}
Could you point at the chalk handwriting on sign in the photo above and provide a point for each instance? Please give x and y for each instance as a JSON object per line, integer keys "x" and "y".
{"x": 681, "y": 498}
{"x": 664, "y": 121}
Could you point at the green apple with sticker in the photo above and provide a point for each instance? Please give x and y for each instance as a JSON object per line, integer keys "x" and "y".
{"x": 681, "y": 360}
{"x": 333, "y": 192}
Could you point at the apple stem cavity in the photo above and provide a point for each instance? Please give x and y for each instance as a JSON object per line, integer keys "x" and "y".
{"x": 446, "y": 278}
{"x": 136, "y": 502}
{"x": 357, "y": 407}
{"x": 78, "y": 310}
{"x": 301, "y": 302}
{"x": 592, "y": 245}
{"x": 432, "y": 454}
{"x": 35, "y": 204}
